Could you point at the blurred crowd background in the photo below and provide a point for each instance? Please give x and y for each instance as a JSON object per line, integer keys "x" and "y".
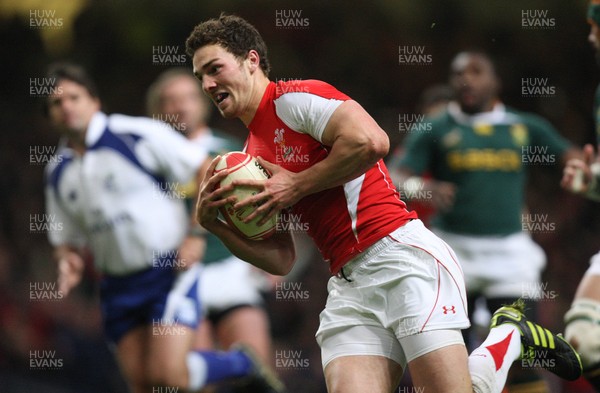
{"x": 352, "y": 45}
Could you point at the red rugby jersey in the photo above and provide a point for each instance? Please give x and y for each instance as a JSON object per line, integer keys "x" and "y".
{"x": 343, "y": 220}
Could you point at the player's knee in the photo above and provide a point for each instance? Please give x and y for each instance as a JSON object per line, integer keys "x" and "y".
{"x": 583, "y": 330}
{"x": 168, "y": 375}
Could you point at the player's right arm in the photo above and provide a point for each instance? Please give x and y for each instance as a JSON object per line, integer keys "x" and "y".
{"x": 70, "y": 268}
{"x": 275, "y": 255}
{"x": 66, "y": 238}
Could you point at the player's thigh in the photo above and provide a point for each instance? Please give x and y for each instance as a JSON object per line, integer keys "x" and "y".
{"x": 249, "y": 325}
{"x": 168, "y": 348}
{"x": 203, "y": 338}
{"x": 131, "y": 355}
{"x": 364, "y": 373}
{"x": 444, "y": 370}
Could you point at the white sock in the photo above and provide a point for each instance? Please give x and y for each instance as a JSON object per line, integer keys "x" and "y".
{"x": 197, "y": 371}
{"x": 490, "y": 362}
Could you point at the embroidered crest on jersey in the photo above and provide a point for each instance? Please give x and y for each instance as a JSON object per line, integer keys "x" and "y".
{"x": 519, "y": 134}
{"x": 483, "y": 129}
{"x": 285, "y": 154}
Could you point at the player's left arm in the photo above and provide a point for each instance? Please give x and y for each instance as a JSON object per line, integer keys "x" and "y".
{"x": 356, "y": 144}
{"x": 545, "y": 135}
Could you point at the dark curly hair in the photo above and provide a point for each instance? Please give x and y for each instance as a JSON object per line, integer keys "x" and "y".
{"x": 234, "y": 34}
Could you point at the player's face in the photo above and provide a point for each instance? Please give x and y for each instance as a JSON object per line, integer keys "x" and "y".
{"x": 72, "y": 107}
{"x": 225, "y": 79}
{"x": 183, "y": 104}
{"x": 475, "y": 84}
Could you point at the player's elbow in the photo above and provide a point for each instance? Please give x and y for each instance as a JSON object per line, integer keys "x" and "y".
{"x": 285, "y": 264}
{"x": 381, "y": 145}
{"x": 374, "y": 146}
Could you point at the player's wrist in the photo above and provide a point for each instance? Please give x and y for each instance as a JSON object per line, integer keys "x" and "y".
{"x": 196, "y": 230}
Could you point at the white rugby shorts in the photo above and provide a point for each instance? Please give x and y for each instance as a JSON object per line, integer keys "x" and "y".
{"x": 230, "y": 283}
{"x": 401, "y": 298}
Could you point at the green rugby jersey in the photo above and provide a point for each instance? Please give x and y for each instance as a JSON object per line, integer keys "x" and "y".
{"x": 486, "y": 155}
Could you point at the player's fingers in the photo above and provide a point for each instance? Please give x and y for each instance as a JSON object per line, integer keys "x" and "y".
{"x": 213, "y": 164}
{"x": 213, "y": 181}
{"x": 257, "y": 199}
{"x": 270, "y": 214}
{"x": 272, "y": 168}
{"x": 265, "y": 211}
{"x": 259, "y": 184}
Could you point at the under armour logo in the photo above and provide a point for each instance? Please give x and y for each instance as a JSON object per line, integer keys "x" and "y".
{"x": 451, "y": 309}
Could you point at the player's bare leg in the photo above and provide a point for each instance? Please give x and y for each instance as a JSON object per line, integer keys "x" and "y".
{"x": 248, "y": 325}
{"x": 443, "y": 370}
{"x": 583, "y": 324}
{"x": 131, "y": 354}
{"x": 359, "y": 374}
{"x": 167, "y": 353}
{"x": 203, "y": 341}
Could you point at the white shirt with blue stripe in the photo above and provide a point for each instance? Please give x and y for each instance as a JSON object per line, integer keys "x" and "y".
{"x": 117, "y": 198}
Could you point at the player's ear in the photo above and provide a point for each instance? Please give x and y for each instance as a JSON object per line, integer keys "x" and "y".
{"x": 253, "y": 59}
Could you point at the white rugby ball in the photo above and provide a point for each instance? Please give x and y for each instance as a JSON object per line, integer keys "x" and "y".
{"x": 244, "y": 166}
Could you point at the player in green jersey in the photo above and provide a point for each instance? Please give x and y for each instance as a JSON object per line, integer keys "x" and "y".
{"x": 583, "y": 177}
{"x": 478, "y": 152}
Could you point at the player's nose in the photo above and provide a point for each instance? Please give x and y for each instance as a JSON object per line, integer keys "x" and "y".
{"x": 208, "y": 84}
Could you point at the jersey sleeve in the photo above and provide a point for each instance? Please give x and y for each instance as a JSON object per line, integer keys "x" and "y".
{"x": 306, "y": 112}
{"x": 543, "y": 134}
{"x": 168, "y": 153}
{"x": 415, "y": 153}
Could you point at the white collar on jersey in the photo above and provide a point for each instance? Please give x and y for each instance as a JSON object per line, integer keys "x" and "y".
{"x": 495, "y": 116}
{"x": 93, "y": 133}
{"x": 95, "y": 128}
